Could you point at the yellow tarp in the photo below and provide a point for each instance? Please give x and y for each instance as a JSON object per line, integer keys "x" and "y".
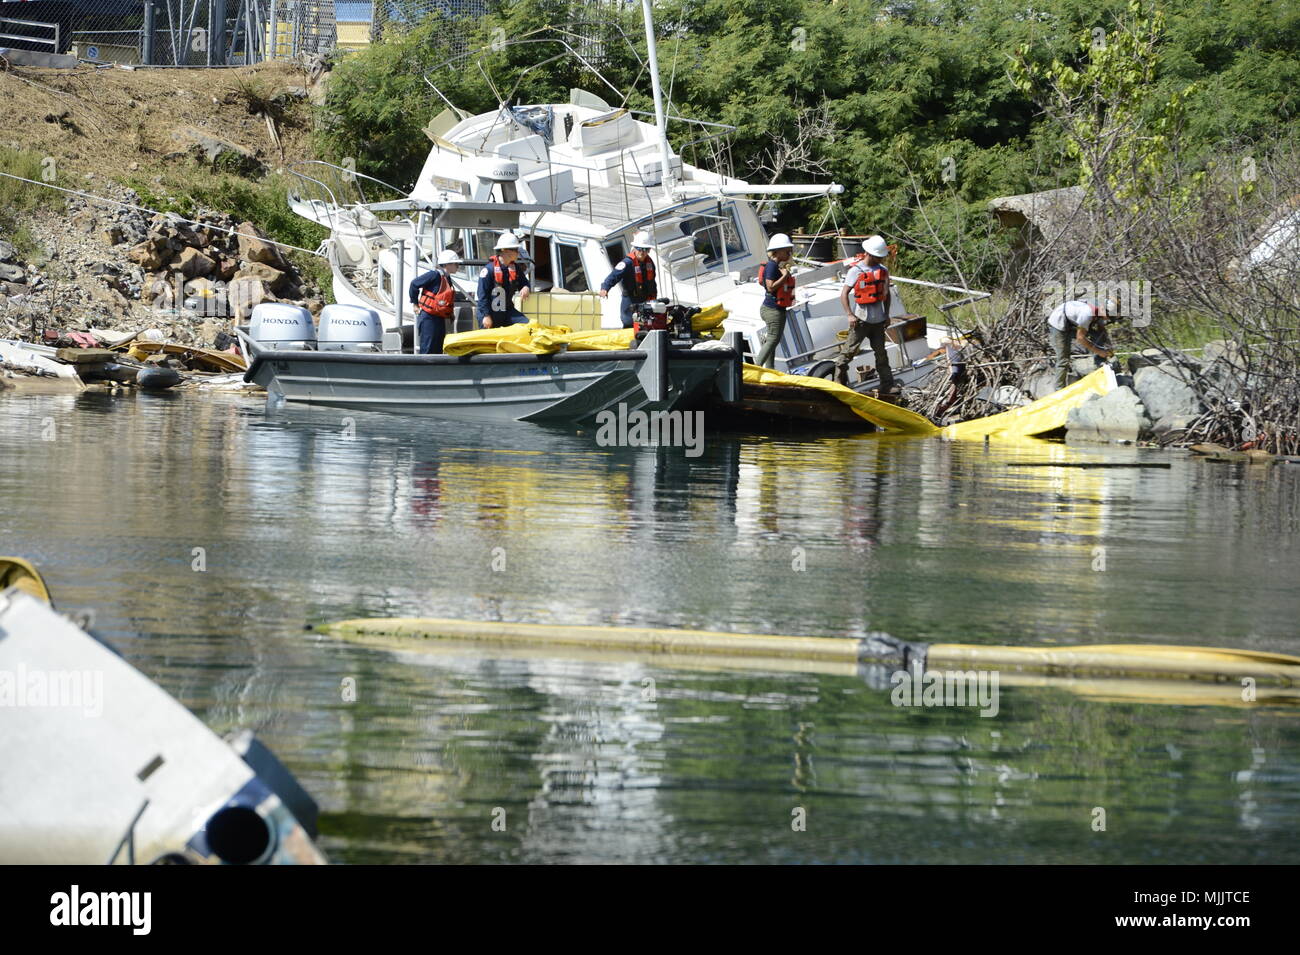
{"x": 1045, "y": 414}
{"x": 545, "y": 339}
{"x": 886, "y": 416}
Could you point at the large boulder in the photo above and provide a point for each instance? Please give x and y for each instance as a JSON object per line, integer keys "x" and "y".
{"x": 151, "y": 254}
{"x": 1040, "y": 384}
{"x": 1225, "y": 370}
{"x": 1146, "y": 358}
{"x": 1116, "y": 416}
{"x": 1172, "y": 428}
{"x": 7, "y": 252}
{"x": 244, "y": 293}
{"x": 1084, "y": 365}
{"x": 217, "y": 152}
{"x": 1165, "y": 393}
{"x": 1220, "y": 348}
{"x": 194, "y": 264}
{"x": 253, "y": 247}
{"x": 274, "y": 279}
{"x": 11, "y": 273}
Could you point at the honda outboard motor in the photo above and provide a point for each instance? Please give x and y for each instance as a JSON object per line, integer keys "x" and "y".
{"x": 277, "y": 326}
{"x": 349, "y": 328}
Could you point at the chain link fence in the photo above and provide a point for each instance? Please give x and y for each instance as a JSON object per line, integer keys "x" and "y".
{"x": 175, "y": 32}
{"x": 237, "y": 32}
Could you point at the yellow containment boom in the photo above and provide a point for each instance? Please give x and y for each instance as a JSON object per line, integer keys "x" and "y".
{"x": 884, "y": 415}
{"x": 1125, "y": 660}
{"x": 1039, "y": 417}
{"x": 535, "y": 338}
{"x": 1150, "y": 673}
{"x": 16, "y": 572}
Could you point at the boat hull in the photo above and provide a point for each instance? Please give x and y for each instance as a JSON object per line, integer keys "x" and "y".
{"x": 561, "y": 388}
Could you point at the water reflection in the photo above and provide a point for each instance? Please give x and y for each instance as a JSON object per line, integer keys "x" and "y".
{"x": 304, "y": 516}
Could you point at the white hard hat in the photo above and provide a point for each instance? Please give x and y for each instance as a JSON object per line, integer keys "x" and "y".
{"x": 779, "y": 241}
{"x": 642, "y": 240}
{"x": 875, "y": 245}
{"x": 508, "y": 240}
{"x": 448, "y": 257}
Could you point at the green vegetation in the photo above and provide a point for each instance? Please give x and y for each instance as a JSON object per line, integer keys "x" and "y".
{"x": 20, "y": 197}
{"x": 922, "y": 99}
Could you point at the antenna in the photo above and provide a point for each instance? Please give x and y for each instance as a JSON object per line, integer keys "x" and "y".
{"x": 660, "y": 122}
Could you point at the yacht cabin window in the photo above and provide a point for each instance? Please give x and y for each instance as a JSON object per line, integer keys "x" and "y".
{"x": 573, "y": 277}
{"x": 712, "y": 230}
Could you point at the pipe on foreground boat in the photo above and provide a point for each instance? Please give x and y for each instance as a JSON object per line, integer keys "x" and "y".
{"x": 1135, "y": 672}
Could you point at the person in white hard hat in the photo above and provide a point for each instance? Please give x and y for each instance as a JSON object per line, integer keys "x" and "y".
{"x": 636, "y": 273}
{"x": 1072, "y": 322}
{"x": 434, "y": 299}
{"x": 868, "y": 282}
{"x": 777, "y": 278}
{"x": 502, "y": 278}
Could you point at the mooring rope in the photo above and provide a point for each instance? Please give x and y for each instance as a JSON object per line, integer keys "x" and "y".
{"x": 170, "y": 215}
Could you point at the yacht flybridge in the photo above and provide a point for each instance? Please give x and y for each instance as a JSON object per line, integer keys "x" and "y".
{"x": 576, "y": 180}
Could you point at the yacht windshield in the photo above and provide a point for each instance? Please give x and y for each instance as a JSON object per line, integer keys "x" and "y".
{"x": 714, "y": 230}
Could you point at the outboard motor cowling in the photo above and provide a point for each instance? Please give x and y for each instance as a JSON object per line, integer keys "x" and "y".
{"x": 349, "y": 328}
{"x": 275, "y": 325}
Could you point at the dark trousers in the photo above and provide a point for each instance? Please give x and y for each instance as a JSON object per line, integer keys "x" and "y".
{"x": 509, "y": 318}
{"x": 432, "y": 331}
{"x": 874, "y": 333}
{"x": 774, "y": 320}
{"x": 1061, "y": 342}
{"x": 628, "y": 307}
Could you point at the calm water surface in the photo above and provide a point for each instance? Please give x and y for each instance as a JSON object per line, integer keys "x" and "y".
{"x": 304, "y": 517}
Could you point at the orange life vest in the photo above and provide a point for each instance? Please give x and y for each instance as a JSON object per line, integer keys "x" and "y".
{"x": 784, "y": 291}
{"x": 872, "y": 284}
{"x": 642, "y": 277}
{"x": 499, "y": 275}
{"x": 439, "y": 304}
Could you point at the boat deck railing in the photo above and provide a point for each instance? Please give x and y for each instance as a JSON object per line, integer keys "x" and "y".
{"x": 326, "y": 199}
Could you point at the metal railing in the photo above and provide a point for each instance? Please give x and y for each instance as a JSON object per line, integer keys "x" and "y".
{"x": 9, "y": 23}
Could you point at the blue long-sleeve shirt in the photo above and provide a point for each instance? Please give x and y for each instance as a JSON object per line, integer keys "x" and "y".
{"x": 497, "y": 300}
{"x": 625, "y": 272}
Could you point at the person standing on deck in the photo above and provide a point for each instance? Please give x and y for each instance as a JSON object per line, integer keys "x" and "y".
{"x": 777, "y": 278}
{"x": 1068, "y": 323}
{"x": 434, "y": 299}
{"x": 501, "y": 278}
{"x": 868, "y": 282}
{"x": 636, "y": 272}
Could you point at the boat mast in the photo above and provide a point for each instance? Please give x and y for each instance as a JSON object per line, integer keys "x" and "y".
{"x": 660, "y": 123}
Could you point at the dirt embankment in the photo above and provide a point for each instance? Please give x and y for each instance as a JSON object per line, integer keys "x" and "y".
{"x": 115, "y": 123}
{"x": 180, "y": 139}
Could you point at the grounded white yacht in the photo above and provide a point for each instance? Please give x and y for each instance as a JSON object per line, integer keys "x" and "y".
{"x": 582, "y": 178}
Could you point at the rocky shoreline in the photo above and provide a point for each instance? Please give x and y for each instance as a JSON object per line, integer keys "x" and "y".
{"x": 102, "y": 273}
